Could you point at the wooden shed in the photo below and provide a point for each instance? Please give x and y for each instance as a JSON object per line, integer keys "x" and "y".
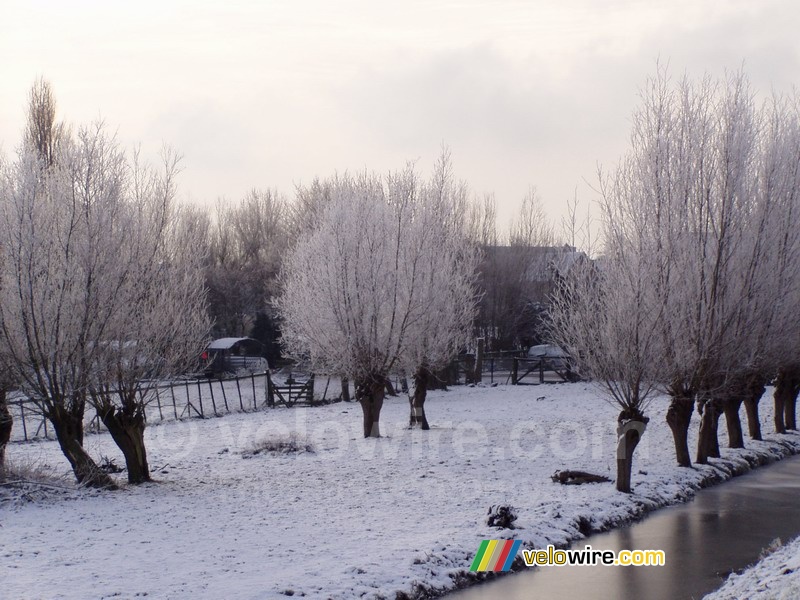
{"x": 233, "y": 355}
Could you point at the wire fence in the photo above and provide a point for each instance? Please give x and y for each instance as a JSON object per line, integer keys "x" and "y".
{"x": 164, "y": 401}
{"x": 208, "y": 397}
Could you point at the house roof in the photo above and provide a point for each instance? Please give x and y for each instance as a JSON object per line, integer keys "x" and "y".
{"x": 225, "y": 343}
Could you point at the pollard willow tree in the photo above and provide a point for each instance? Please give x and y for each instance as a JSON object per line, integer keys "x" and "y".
{"x": 55, "y": 301}
{"x": 84, "y": 238}
{"x": 161, "y": 323}
{"x": 446, "y": 291}
{"x": 359, "y": 287}
{"x": 606, "y": 315}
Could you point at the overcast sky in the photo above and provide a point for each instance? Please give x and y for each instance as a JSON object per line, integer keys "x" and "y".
{"x": 272, "y": 93}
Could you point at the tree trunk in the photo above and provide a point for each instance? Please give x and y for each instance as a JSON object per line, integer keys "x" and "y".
{"x": 345, "y": 389}
{"x": 370, "y": 392}
{"x": 69, "y": 432}
{"x": 730, "y": 407}
{"x": 6, "y": 423}
{"x": 679, "y": 416}
{"x": 417, "y": 401}
{"x": 790, "y": 408}
{"x": 790, "y": 400}
{"x": 629, "y": 433}
{"x": 755, "y": 390}
{"x": 478, "y": 375}
{"x": 708, "y": 442}
{"x": 783, "y": 390}
{"x": 127, "y": 429}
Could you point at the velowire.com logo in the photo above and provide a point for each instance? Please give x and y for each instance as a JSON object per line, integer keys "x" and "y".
{"x": 499, "y": 555}
{"x": 495, "y": 555}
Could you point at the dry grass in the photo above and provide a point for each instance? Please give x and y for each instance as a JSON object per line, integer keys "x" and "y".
{"x": 25, "y": 481}
{"x": 280, "y": 445}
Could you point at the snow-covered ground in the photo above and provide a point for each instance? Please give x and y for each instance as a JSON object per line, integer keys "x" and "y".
{"x": 776, "y": 577}
{"x": 352, "y": 517}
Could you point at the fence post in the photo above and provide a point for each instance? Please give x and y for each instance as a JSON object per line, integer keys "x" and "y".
{"x": 345, "y": 389}
{"x": 200, "y": 399}
{"x": 325, "y": 393}
{"x": 479, "y": 361}
{"x": 270, "y": 397}
{"x": 158, "y": 401}
{"x": 239, "y": 391}
{"x": 213, "y": 402}
{"x": 174, "y": 404}
{"x": 224, "y": 396}
{"x": 22, "y": 418}
{"x": 255, "y": 398}
{"x": 514, "y": 367}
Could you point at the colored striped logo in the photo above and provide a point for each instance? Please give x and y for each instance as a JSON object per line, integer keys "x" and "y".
{"x": 495, "y": 555}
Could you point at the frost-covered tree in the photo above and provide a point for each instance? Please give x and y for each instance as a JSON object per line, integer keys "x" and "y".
{"x": 715, "y": 179}
{"x": 446, "y": 290}
{"x": 309, "y": 203}
{"x": 605, "y": 313}
{"x": 42, "y": 133}
{"x": 6, "y": 419}
{"x": 725, "y": 189}
{"x": 85, "y": 269}
{"x": 57, "y": 263}
{"x": 44, "y": 137}
{"x": 162, "y": 322}
{"x": 247, "y": 242}
{"x": 357, "y": 285}
{"x": 780, "y": 194}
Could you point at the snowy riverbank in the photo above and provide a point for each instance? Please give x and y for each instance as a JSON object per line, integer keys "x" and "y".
{"x": 775, "y": 577}
{"x": 351, "y": 517}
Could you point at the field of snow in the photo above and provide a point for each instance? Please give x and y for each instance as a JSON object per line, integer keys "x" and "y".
{"x": 776, "y": 577}
{"x": 343, "y": 517}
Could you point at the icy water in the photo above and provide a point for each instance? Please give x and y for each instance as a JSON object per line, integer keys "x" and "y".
{"x": 723, "y": 529}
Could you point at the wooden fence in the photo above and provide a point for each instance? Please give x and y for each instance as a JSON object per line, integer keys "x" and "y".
{"x": 542, "y": 370}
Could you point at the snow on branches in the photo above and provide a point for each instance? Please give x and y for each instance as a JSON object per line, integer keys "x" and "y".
{"x": 383, "y": 282}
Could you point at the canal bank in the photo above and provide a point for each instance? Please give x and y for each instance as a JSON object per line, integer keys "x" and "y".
{"x": 723, "y": 530}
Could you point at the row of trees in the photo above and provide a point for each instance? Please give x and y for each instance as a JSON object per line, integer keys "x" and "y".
{"x": 246, "y": 244}
{"x": 104, "y": 277}
{"x": 697, "y": 291}
{"x": 108, "y": 284}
